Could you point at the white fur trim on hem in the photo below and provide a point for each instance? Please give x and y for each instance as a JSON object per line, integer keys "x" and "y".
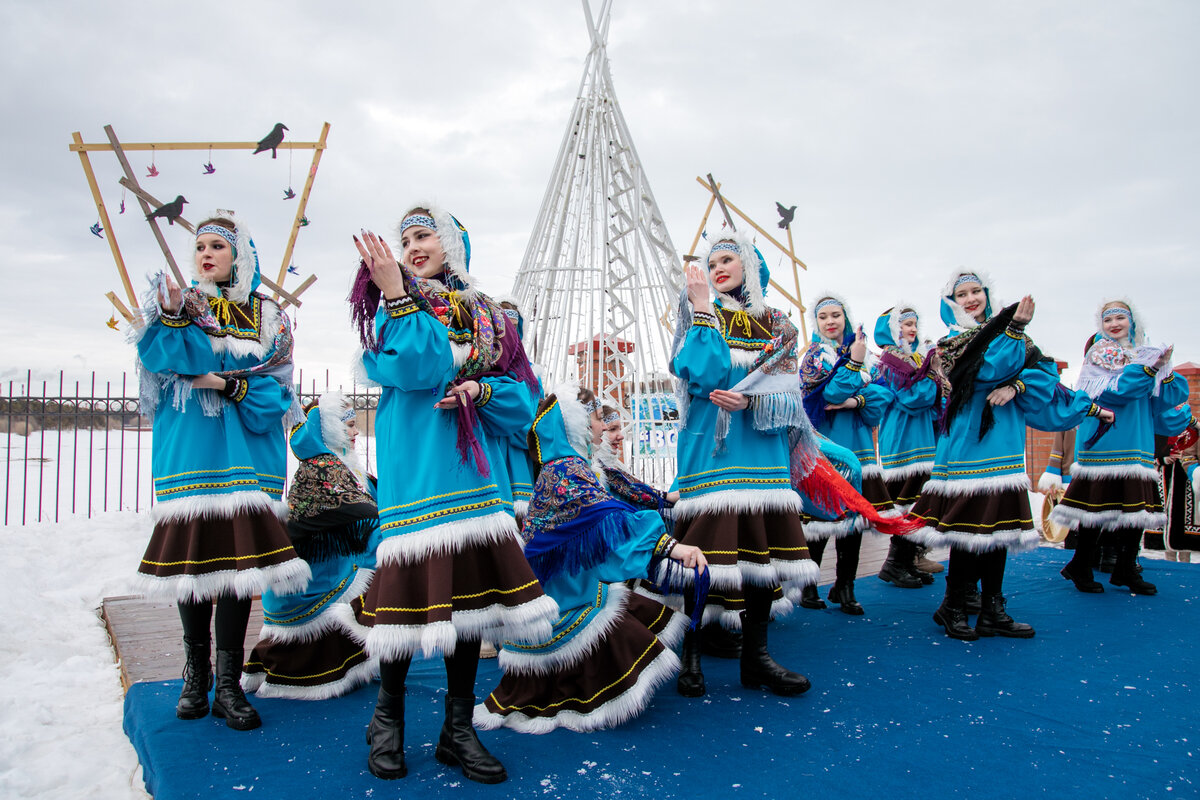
{"x": 1114, "y": 471}
{"x": 1015, "y": 540}
{"x": 732, "y": 620}
{"x": 819, "y": 529}
{"x": 964, "y": 486}
{"x": 1049, "y": 482}
{"x": 1074, "y": 518}
{"x": 520, "y": 508}
{"x": 872, "y": 471}
{"x": 529, "y": 620}
{"x": 287, "y": 577}
{"x": 674, "y": 631}
{"x": 318, "y": 625}
{"x": 355, "y": 677}
{"x": 216, "y": 506}
{"x": 908, "y": 470}
{"x": 740, "y": 501}
{"x": 735, "y": 576}
{"x": 449, "y": 537}
{"x": 580, "y": 646}
{"x": 620, "y": 709}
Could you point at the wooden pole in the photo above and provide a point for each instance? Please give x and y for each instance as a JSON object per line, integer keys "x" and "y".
{"x": 122, "y": 309}
{"x": 146, "y": 209}
{"x": 91, "y": 147}
{"x": 112, "y": 239}
{"x": 145, "y": 196}
{"x": 754, "y": 225}
{"x": 299, "y": 290}
{"x": 712, "y": 187}
{"x": 278, "y": 290}
{"x": 312, "y": 174}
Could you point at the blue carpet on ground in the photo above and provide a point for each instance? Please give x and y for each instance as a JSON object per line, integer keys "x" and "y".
{"x": 1102, "y": 703}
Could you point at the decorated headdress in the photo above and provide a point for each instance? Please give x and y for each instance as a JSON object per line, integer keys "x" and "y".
{"x": 245, "y": 277}
{"x": 887, "y": 326}
{"x": 324, "y": 431}
{"x": 749, "y": 295}
{"x": 1137, "y": 334}
{"x": 825, "y": 299}
{"x": 456, "y": 243}
{"x": 952, "y": 313}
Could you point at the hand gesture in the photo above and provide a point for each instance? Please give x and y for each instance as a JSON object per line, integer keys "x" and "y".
{"x": 1106, "y": 415}
{"x": 454, "y": 394}
{"x": 1165, "y": 358}
{"x": 688, "y": 556}
{"x": 858, "y": 349}
{"x": 730, "y": 401}
{"x": 209, "y": 380}
{"x": 849, "y": 402}
{"x": 697, "y": 289}
{"x": 173, "y": 299}
{"x": 385, "y": 272}
{"x": 1024, "y": 311}
{"x": 1001, "y": 395}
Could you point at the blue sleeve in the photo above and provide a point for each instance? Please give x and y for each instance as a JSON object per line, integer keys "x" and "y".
{"x": 1135, "y": 383}
{"x": 505, "y": 407}
{"x": 1046, "y": 407}
{"x": 703, "y": 360}
{"x": 631, "y": 558}
{"x": 1003, "y": 359}
{"x": 176, "y": 346}
{"x": 1170, "y": 408}
{"x": 917, "y": 398}
{"x": 262, "y": 406}
{"x": 848, "y": 381}
{"x": 414, "y": 350}
{"x": 875, "y": 400}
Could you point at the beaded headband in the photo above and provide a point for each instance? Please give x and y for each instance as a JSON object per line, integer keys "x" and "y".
{"x": 418, "y": 219}
{"x": 592, "y": 406}
{"x": 828, "y": 301}
{"x": 1122, "y": 310}
{"x": 730, "y": 246}
{"x": 613, "y": 417}
{"x": 970, "y": 277}
{"x": 219, "y": 230}
{"x": 512, "y": 314}
{"x": 348, "y": 414}
{"x": 908, "y": 315}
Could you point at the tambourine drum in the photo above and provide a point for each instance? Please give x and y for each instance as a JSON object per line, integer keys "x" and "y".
{"x": 1052, "y": 531}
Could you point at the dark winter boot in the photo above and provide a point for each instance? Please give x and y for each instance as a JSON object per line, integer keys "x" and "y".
{"x": 197, "y": 679}
{"x": 1081, "y": 575}
{"x": 810, "y": 598}
{"x": 385, "y": 737}
{"x": 954, "y": 619}
{"x": 843, "y": 595}
{"x": 895, "y": 567}
{"x": 719, "y": 642}
{"x": 995, "y": 621}
{"x": 1125, "y": 572}
{"x": 229, "y": 702}
{"x": 972, "y": 600}
{"x": 759, "y": 670}
{"x": 459, "y": 744}
{"x": 691, "y": 680}
{"x": 1107, "y": 559}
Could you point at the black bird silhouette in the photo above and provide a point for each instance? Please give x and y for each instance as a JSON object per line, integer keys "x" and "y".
{"x": 785, "y": 214}
{"x": 168, "y": 211}
{"x": 272, "y": 139}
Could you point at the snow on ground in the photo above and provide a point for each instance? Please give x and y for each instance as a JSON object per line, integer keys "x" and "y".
{"x": 61, "y": 698}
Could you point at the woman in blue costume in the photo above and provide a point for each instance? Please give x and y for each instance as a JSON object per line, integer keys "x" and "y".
{"x": 216, "y": 373}
{"x": 977, "y": 498}
{"x": 610, "y": 649}
{"x": 516, "y": 457}
{"x": 306, "y": 650}
{"x": 906, "y": 434}
{"x": 1114, "y": 483}
{"x": 609, "y": 447}
{"x": 449, "y": 570}
{"x": 844, "y": 406}
{"x": 741, "y": 413}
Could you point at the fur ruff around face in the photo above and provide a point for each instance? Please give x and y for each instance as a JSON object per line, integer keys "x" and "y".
{"x": 245, "y": 265}
{"x": 753, "y": 272}
{"x": 953, "y": 314}
{"x": 451, "y": 236}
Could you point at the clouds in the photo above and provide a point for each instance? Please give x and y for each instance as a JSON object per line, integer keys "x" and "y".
{"x": 1051, "y": 144}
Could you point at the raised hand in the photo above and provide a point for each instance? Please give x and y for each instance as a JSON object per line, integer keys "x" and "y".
{"x": 173, "y": 299}
{"x": 385, "y": 272}
{"x": 1024, "y": 311}
{"x": 697, "y": 289}
{"x": 858, "y": 348}
{"x": 1165, "y": 358}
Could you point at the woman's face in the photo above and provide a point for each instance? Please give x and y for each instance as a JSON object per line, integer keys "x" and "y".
{"x": 214, "y": 257}
{"x": 615, "y": 433}
{"x": 725, "y": 270}
{"x": 422, "y": 251}
{"x": 352, "y": 429}
{"x": 908, "y": 330}
{"x": 597, "y": 427}
{"x": 831, "y": 320}
{"x": 1116, "y": 326}
{"x": 972, "y": 299}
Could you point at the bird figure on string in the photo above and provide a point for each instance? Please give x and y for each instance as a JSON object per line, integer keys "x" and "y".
{"x": 785, "y": 214}
{"x": 304, "y": 222}
{"x": 122, "y": 204}
{"x": 152, "y": 171}
{"x": 112, "y": 322}
{"x": 97, "y": 231}
{"x": 291, "y": 270}
{"x": 288, "y": 194}
{"x": 272, "y": 140}
{"x": 209, "y": 169}
{"x": 169, "y": 211}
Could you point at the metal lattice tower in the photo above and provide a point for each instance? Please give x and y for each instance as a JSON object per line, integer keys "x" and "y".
{"x": 600, "y": 278}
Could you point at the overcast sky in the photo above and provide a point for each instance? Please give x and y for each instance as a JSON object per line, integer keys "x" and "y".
{"x": 1054, "y": 144}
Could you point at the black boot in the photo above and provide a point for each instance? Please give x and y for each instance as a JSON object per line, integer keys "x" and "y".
{"x": 197, "y": 679}
{"x": 385, "y": 736}
{"x": 954, "y": 619}
{"x": 1125, "y": 572}
{"x": 843, "y": 595}
{"x": 691, "y": 680}
{"x": 229, "y": 702}
{"x": 719, "y": 642}
{"x": 459, "y": 744}
{"x": 895, "y": 569}
{"x": 972, "y": 600}
{"x": 810, "y": 598}
{"x": 995, "y": 621}
{"x": 1081, "y": 575}
{"x": 1108, "y": 558}
{"x": 924, "y": 577}
{"x": 759, "y": 670}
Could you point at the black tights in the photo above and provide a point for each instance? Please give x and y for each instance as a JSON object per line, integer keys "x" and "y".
{"x": 233, "y": 614}
{"x": 460, "y": 671}
{"x": 966, "y": 567}
{"x": 848, "y": 548}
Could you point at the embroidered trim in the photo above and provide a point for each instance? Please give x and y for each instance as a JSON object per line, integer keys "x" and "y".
{"x": 485, "y": 394}
{"x": 174, "y": 322}
{"x": 1019, "y": 385}
{"x": 400, "y": 307}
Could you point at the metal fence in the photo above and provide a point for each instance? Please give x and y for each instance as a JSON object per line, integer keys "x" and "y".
{"x": 82, "y": 447}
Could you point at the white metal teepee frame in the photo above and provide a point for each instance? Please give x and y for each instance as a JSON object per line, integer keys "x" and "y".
{"x": 600, "y": 277}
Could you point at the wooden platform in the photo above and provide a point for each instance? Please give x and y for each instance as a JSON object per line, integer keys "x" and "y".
{"x": 147, "y": 637}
